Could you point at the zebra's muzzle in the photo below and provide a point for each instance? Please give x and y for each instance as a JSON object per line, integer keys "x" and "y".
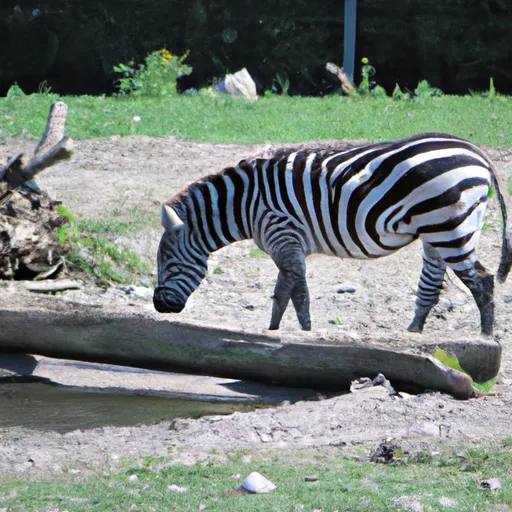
{"x": 163, "y": 305}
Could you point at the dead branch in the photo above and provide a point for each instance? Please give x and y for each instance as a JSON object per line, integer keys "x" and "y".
{"x": 346, "y": 84}
{"x": 52, "y": 148}
{"x": 55, "y": 127}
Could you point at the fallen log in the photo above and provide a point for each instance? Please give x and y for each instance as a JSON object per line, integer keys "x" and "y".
{"x": 135, "y": 337}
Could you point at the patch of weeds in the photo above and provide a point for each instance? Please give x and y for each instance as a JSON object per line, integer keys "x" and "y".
{"x": 486, "y": 226}
{"x": 218, "y": 270}
{"x": 509, "y": 185}
{"x": 95, "y": 251}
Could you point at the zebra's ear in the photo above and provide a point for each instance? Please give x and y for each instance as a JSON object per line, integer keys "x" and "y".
{"x": 170, "y": 219}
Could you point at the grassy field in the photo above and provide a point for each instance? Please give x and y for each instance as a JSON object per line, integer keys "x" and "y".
{"x": 438, "y": 480}
{"x": 484, "y": 120}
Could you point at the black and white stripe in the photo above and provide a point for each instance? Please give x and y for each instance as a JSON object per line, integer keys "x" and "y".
{"x": 363, "y": 203}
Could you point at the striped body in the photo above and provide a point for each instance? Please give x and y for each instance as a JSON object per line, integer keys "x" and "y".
{"x": 366, "y": 202}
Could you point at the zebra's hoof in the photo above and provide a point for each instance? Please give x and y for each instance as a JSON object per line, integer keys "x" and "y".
{"x": 415, "y": 328}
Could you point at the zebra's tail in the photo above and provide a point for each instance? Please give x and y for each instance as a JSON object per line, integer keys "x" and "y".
{"x": 506, "y": 244}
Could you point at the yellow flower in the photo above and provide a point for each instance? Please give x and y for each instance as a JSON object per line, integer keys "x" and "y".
{"x": 131, "y": 63}
{"x": 364, "y": 60}
{"x": 166, "y": 54}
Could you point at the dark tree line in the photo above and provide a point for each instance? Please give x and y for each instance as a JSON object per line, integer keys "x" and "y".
{"x": 73, "y": 46}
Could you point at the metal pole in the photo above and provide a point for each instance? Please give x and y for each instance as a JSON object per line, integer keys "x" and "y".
{"x": 349, "y": 47}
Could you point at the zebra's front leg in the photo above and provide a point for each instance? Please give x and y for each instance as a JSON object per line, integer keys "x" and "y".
{"x": 291, "y": 283}
{"x": 429, "y": 286}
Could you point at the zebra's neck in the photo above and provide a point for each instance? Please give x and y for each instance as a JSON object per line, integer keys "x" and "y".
{"x": 217, "y": 209}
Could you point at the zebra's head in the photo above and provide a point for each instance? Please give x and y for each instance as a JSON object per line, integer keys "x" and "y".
{"x": 181, "y": 265}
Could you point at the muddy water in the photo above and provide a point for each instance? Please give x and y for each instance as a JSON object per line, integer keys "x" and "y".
{"x": 43, "y": 406}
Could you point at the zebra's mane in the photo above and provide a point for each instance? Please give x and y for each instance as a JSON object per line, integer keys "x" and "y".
{"x": 323, "y": 149}
{"x": 201, "y": 182}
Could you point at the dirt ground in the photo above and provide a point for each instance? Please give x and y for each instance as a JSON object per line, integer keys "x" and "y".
{"x": 113, "y": 178}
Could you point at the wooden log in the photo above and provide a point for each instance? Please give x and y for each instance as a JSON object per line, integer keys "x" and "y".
{"x": 52, "y": 327}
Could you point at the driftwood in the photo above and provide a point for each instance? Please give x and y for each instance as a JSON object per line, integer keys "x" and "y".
{"x": 52, "y": 327}
{"x": 345, "y": 82}
{"x": 29, "y": 222}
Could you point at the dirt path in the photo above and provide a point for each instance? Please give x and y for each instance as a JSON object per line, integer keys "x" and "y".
{"x": 108, "y": 178}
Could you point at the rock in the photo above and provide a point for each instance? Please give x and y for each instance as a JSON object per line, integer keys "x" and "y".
{"x": 346, "y": 289}
{"x": 447, "y": 502}
{"x": 493, "y": 484}
{"x": 409, "y": 503}
{"x": 381, "y": 380}
{"x": 238, "y": 84}
{"x": 311, "y": 478}
{"x": 142, "y": 292}
{"x": 177, "y": 488}
{"x": 385, "y": 454}
{"x": 362, "y": 383}
{"x": 133, "y": 479}
{"x": 425, "y": 429}
{"x": 256, "y": 483}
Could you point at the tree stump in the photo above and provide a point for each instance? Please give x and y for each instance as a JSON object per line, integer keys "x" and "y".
{"x": 29, "y": 219}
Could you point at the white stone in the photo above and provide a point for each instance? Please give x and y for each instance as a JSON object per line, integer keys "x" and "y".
{"x": 177, "y": 488}
{"x": 133, "y": 479}
{"x": 257, "y": 484}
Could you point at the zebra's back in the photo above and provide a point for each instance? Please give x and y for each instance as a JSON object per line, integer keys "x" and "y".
{"x": 369, "y": 201}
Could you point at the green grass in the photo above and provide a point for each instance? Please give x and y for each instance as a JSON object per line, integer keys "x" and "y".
{"x": 343, "y": 484}
{"x": 95, "y": 249}
{"x": 486, "y": 121}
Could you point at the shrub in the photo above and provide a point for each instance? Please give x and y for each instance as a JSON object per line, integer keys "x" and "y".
{"x": 156, "y": 77}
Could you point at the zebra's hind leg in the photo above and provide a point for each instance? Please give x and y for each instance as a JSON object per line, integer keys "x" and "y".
{"x": 481, "y": 286}
{"x": 291, "y": 283}
{"x": 300, "y": 299}
{"x": 429, "y": 286}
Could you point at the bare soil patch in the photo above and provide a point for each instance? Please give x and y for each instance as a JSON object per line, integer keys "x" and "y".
{"x": 107, "y": 177}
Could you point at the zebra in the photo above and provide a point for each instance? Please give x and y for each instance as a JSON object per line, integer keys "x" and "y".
{"x": 365, "y": 202}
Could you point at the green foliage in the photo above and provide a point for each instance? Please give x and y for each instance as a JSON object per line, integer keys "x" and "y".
{"x": 367, "y": 72}
{"x": 398, "y": 95}
{"x": 155, "y": 78}
{"x": 425, "y": 90}
{"x": 492, "y": 89}
{"x": 95, "y": 250}
{"x": 14, "y": 92}
{"x": 218, "y": 270}
{"x": 283, "y": 83}
{"x": 451, "y": 361}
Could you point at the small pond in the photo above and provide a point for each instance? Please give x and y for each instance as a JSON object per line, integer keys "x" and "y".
{"x": 44, "y": 406}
